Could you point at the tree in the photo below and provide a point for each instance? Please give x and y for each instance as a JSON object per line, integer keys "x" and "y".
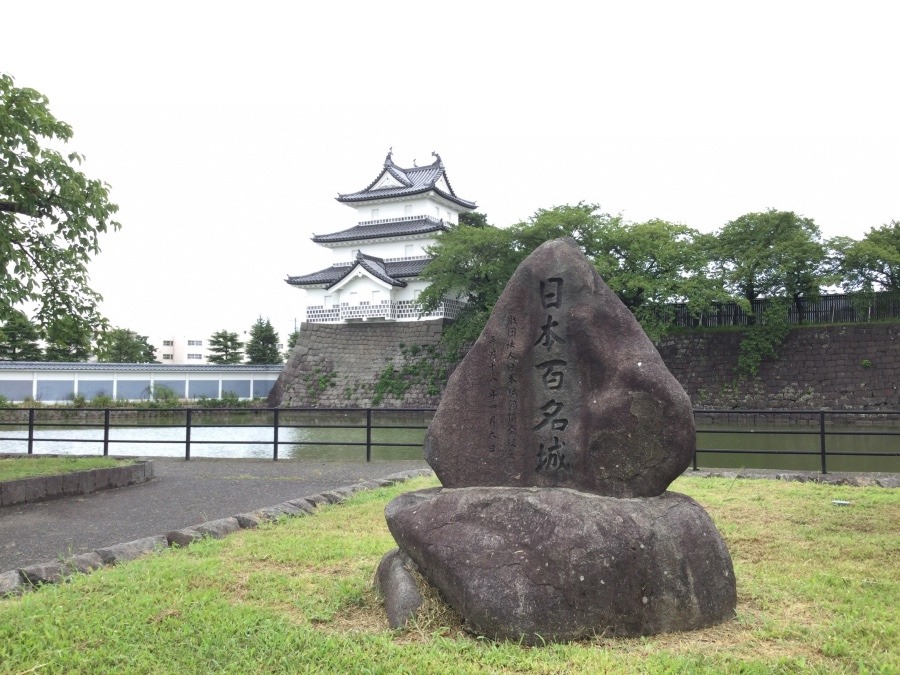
{"x": 872, "y": 263}
{"x": 653, "y": 265}
{"x": 262, "y": 347}
{"x": 51, "y": 215}
{"x": 646, "y": 264}
{"x": 121, "y": 345}
{"x": 67, "y": 340}
{"x": 19, "y": 339}
{"x": 292, "y": 340}
{"x": 473, "y": 264}
{"x": 473, "y": 219}
{"x": 771, "y": 254}
{"x": 225, "y": 347}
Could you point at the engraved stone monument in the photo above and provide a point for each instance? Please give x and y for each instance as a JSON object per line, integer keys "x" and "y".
{"x": 555, "y": 442}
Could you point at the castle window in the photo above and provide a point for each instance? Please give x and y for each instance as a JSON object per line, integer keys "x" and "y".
{"x": 407, "y": 209}
{"x": 375, "y": 214}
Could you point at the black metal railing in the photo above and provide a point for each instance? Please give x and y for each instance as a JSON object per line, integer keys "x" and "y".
{"x": 809, "y": 430}
{"x": 357, "y": 428}
{"x": 827, "y": 308}
{"x": 820, "y": 434}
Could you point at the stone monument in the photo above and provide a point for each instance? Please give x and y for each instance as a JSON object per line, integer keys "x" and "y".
{"x": 555, "y": 442}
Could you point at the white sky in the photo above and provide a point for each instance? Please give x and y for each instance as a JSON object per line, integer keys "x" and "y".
{"x": 226, "y": 130}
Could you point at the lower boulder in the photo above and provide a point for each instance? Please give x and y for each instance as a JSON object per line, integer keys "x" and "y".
{"x": 554, "y": 564}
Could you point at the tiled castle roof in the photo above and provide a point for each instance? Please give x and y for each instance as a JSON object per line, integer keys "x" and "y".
{"x": 391, "y": 272}
{"x": 399, "y": 227}
{"x": 413, "y": 181}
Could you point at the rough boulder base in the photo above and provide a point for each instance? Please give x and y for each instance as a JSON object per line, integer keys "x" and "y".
{"x": 562, "y": 389}
{"x": 546, "y": 565}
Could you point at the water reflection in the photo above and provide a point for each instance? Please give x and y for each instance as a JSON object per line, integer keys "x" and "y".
{"x": 342, "y": 436}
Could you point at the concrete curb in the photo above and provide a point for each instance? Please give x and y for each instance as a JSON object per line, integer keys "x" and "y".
{"x": 17, "y": 581}
{"x": 41, "y": 488}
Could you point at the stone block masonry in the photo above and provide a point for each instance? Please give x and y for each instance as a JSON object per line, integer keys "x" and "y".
{"x": 40, "y": 488}
{"x": 844, "y": 367}
{"x": 338, "y": 365}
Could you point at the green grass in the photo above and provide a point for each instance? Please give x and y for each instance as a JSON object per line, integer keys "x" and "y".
{"x": 28, "y": 467}
{"x": 818, "y": 591}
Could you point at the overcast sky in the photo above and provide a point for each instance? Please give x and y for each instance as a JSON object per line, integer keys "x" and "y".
{"x": 225, "y": 131}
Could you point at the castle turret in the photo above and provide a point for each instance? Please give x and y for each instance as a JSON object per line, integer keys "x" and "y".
{"x": 375, "y": 276}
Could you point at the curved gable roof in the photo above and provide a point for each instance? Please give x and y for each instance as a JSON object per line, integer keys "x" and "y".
{"x": 413, "y": 181}
{"x": 390, "y": 272}
{"x": 379, "y": 230}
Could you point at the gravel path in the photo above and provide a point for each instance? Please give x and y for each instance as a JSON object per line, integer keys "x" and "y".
{"x": 181, "y": 494}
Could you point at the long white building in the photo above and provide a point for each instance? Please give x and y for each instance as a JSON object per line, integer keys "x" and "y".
{"x": 377, "y": 262}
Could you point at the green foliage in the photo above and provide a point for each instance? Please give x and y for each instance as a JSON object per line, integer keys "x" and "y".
{"x": 229, "y": 400}
{"x": 225, "y": 347}
{"x": 51, "y": 215}
{"x": 865, "y": 363}
{"x": 771, "y": 254}
{"x": 873, "y": 263}
{"x": 317, "y": 382}
{"x": 262, "y": 348}
{"x": 104, "y": 401}
{"x": 120, "y": 345}
{"x": 420, "y": 365}
{"x": 292, "y": 340}
{"x": 19, "y": 339}
{"x": 473, "y": 219}
{"x": 282, "y": 598}
{"x": 652, "y": 265}
{"x": 762, "y": 339}
{"x": 68, "y": 340}
{"x": 28, "y": 467}
{"x": 165, "y": 396}
{"x": 648, "y": 265}
{"x": 78, "y": 400}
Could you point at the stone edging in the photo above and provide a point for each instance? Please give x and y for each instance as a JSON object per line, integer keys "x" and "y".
{"x": 23, "y": 579}
{"x": 855, "y": 479}
{"x": 39, "y": 488}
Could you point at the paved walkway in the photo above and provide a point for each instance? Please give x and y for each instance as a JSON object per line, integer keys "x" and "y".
{"x": 182, "y": 494}
{"x": 188, "y": 493}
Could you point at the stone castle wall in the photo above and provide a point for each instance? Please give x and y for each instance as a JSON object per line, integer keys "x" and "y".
{"x": 338, "y": 365}
{"x": 839, "y": 367}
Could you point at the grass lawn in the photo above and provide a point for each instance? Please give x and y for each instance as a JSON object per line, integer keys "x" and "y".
{"x": 818, "y": 591}
{"x": 28, "y": 467}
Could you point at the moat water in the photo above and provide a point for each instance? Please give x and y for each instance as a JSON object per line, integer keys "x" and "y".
{"x": 848, "y": 448}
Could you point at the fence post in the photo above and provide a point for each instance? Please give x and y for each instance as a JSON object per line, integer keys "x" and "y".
{"x": 695, "y": 456}
{"x": 31, "y": 431}
{"x": 187, "y": 435}
{"x": 822, "y": 439}
{"x": 106, "y": 432}
{"x": 368, "y": 434}
{"x": 275, "y": 435}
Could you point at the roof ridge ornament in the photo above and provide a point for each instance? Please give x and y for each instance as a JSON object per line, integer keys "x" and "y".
{"x": 387, "y": 160}
{"x": 438, "y": 160}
